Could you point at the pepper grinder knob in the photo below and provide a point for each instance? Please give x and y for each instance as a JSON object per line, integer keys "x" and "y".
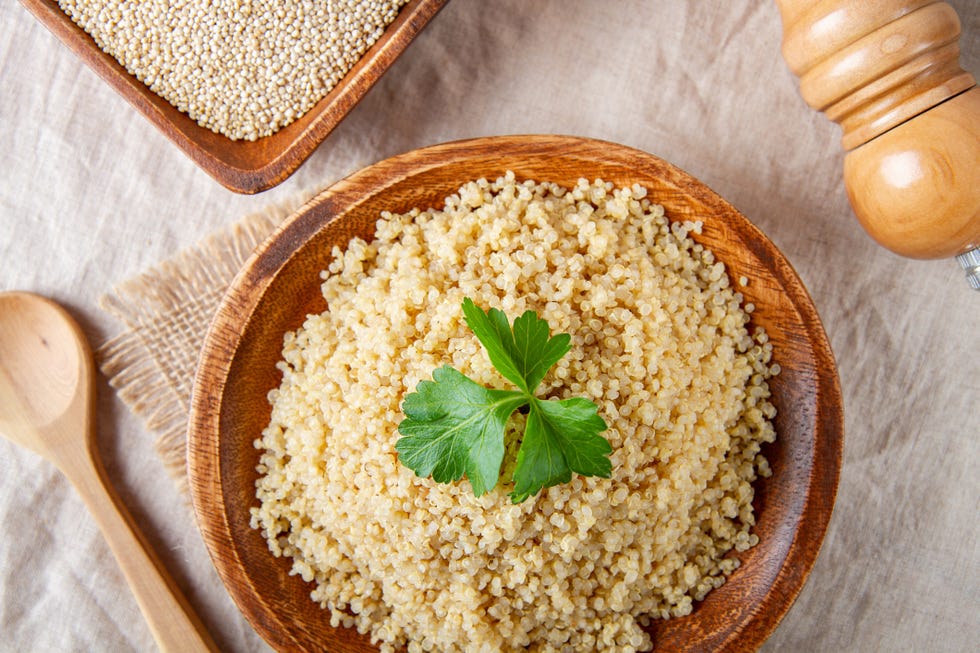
{"x": 888, "y": 73}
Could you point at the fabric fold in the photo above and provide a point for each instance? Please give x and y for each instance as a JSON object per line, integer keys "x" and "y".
{"x": 166, "y": 312}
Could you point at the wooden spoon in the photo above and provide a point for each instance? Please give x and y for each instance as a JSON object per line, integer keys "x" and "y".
{"x": 46, "y": 405}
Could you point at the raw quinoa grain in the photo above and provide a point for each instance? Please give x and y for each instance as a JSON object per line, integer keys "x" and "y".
{"x": 659, "y": 342}
{"x": 242, "y": 69}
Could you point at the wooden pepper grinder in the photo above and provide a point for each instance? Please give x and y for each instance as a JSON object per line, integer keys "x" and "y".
{"x": 888, "y": 72}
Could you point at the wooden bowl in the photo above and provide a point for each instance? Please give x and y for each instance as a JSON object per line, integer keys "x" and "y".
{"x": 245, "y": 166}
{"x": 280, "y": 284}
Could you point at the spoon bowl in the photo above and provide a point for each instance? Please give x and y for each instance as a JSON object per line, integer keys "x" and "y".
{"x": 47, "y": 405}
{"x": 40, "y": 348}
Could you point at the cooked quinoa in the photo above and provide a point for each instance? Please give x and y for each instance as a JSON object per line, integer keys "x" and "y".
{"x": 659, "y": 342}
{"x": 242, "y": 69}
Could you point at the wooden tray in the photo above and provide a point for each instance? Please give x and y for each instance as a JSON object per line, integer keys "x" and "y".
{"x": 280, "y": 285}
{"x": 245, "y": 166}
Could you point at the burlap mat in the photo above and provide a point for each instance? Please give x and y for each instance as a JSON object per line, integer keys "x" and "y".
{"x": 166, "y": 311}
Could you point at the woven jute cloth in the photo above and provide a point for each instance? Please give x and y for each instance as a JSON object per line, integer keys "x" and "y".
{"x": 166, "y": 311}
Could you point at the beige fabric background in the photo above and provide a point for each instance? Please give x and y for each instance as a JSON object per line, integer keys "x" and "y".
{"x": 91, "y": 195}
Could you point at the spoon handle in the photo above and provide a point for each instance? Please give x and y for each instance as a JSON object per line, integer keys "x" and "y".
{"x": 174, "y": 625}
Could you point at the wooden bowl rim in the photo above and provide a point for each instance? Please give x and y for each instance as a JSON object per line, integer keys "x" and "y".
{"x": 245, "y": 166}
{"x": 249, "y": 286}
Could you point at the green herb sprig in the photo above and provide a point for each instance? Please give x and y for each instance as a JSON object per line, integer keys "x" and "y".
{"x": 455, "y": 426}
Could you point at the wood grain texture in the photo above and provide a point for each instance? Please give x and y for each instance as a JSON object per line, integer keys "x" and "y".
{"x": 870, "y": 66}
{"x": 245, "y": 166}
{"x": 916, "y": 188}
{"x": 888, "y": 72}
{"x": 47, "y": 401}
{"x": 279, "y": 286}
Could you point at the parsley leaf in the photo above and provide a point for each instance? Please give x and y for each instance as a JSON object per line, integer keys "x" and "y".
{"x": 561, "y": 437}
{"x": 454, "y": 426}
{"x": 524, "y": 354}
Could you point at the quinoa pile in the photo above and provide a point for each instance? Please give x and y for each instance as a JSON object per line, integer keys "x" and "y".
{"x": 659, "y": 342}
{"x": 241, "y": 69}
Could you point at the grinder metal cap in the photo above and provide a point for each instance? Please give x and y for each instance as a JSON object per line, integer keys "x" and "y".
{"x": 970, "y": 261}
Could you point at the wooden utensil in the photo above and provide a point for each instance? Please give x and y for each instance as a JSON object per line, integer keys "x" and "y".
{"x": 280, "y": 286}
{"x": 245, "y": 166}
{"x": 46, "y": 405}
{"x": 888, "y": 72}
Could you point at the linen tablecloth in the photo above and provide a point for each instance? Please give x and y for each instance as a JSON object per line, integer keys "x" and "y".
{"x": 91, "y": 195}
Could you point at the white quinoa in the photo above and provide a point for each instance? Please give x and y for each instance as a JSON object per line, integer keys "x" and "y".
{"x": 242, "y": 69}
{"x": 659, "y": 342}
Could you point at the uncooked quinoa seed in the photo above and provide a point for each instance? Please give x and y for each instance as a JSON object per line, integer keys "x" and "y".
{"x": 660, "y": 343}
{"x": 242, "y": 69}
